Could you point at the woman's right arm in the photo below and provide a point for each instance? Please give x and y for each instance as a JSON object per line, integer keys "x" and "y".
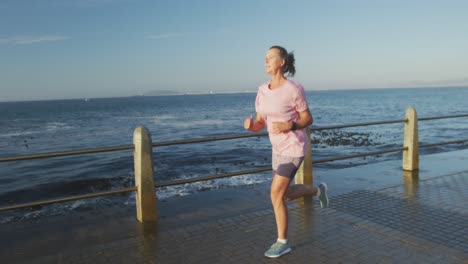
{"x": 254, "y": 126}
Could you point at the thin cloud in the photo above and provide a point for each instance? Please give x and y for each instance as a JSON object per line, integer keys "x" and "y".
{"x": 166, "y": 36}
{"x": 22, "y": 40}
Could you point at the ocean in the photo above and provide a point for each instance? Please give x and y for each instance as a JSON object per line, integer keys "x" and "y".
{"x": 60, "y": 125}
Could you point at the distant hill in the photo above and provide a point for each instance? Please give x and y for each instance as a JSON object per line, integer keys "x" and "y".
{"x": 161, "y": 92}
{"x": 167, "y": 92}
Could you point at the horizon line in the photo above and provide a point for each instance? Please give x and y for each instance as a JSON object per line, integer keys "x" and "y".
{"x": 177, "y": 93}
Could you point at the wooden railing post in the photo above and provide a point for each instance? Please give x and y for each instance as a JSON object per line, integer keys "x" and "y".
{"x": 144, "y": 181}
{"x": 411, "y": 141}
{"x": 304, "y": 173}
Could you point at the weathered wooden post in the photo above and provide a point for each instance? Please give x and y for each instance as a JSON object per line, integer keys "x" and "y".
{"x": 304, "y": 173}
{"x": 143, "y": 159}
{"x": 411, "y": 141}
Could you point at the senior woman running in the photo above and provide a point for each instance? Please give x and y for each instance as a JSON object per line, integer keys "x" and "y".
{"x": 282, "y": 108}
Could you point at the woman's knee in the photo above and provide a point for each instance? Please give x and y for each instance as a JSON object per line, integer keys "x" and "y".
{"x": 276, "y": 195}
{"x": 279, "y": 188}
{"x": 289, "y": 196}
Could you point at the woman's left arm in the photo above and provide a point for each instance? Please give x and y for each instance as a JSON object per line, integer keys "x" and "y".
{"x": 305, "y": 120}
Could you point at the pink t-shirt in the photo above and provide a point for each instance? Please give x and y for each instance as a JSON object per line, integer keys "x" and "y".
{"x": 283, "y": 105}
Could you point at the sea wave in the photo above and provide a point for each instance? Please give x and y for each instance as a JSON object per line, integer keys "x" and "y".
{"x": 56, "y": 126}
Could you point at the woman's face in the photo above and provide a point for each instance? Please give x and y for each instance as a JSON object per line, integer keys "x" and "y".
{"x": 273, "y": 62}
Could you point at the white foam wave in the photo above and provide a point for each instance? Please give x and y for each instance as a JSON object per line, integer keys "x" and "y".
{"x": 163, "y": 117}
{"x": 49, "y": 127}
{"x": 19, "y": 134}
{"x": 191, "y": 188}
{"x": 77, "y": 204}
{"x": 54, "y": 126}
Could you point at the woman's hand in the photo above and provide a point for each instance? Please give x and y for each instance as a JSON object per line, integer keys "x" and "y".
{"x": 249, "y": 123}
{"x": 305, "y": 120}
{"x": 254, "y": 126}
{"x": 281, "y": 127}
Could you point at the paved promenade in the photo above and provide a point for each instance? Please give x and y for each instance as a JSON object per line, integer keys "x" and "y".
{"x": 408, "y": 219}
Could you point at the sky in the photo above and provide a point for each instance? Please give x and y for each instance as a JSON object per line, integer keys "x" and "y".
{"x": 63, "y": 49}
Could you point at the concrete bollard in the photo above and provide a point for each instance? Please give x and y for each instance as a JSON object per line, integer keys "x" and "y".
{"x": 144, "y": 181}
{"x": 304, "y": 173}
{"x": 411, "y": 141}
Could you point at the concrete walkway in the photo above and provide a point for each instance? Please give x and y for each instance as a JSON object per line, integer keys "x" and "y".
{"x": 377, "y": 215}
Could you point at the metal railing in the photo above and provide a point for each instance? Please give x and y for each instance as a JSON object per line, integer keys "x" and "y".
{"x": 65, "y": 153}
{"x": 68, "y": 199}
{"x": 142, "y": 147}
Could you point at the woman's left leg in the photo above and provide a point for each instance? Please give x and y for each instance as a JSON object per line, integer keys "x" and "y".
{"x": 299, "y": 190}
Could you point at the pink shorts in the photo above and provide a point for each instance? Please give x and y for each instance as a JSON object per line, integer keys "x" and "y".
{"x": 286, "y": 166}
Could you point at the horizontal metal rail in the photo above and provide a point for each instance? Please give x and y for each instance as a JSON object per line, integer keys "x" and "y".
{"x": 67, "y": 199}
{"x": 213, "y": 177}
{"x": 444, "y": 143}
{"x": 359, "y": 124}
{"x": 360, "y": 155}
{"x": 207, "y": 139}
{"x": 66, "y": 153}
{"x": 441, "y": 117}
